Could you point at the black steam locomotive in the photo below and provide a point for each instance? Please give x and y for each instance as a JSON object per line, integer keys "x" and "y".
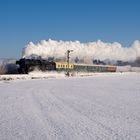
{"x": 27, "y": 65}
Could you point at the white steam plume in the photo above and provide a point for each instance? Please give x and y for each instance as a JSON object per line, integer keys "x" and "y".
{"x": 83, "y": 51}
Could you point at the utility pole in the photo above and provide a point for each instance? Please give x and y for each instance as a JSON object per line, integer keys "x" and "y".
{"x": 68, "y": 60}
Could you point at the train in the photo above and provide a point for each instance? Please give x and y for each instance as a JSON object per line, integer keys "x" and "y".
{"x": 27, "y": 65}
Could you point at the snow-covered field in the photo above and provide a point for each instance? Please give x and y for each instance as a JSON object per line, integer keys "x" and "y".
{"x": 98, "y": 107}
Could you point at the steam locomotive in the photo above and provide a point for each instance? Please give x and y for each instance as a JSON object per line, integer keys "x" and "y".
{"x": 27, "y": 65}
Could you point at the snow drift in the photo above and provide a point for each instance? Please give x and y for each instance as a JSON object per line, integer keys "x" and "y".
{"x": 82, "y": 51}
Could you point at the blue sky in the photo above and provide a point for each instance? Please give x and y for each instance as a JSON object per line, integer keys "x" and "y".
{"x": 22, "y": 21}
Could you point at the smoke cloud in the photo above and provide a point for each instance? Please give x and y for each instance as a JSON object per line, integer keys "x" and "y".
{"x": 82, "y": 51}
{"x": 8, "y": 66}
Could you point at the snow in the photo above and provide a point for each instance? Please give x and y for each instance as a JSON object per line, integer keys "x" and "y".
{"x": 104, "y": 106}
